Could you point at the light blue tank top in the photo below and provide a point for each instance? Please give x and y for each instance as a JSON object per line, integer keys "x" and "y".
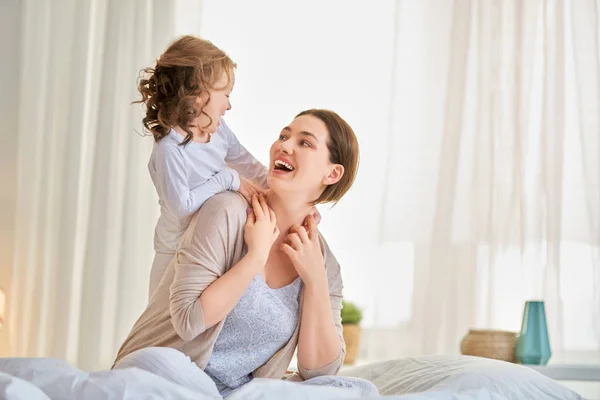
{"x": 261, "y": 323}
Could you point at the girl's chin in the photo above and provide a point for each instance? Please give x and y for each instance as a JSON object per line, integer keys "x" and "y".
{"x": 212, "y": 128}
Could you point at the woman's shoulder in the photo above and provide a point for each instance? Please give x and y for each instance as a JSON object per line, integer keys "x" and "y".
{"x": 222, "y": 215}
{"x": 220, "y": 220}
{"x": 331, "y": 263}
{"x": 229, "y": 205}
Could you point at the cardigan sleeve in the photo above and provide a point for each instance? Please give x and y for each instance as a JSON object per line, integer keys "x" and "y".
{"x": 206, "y": 252}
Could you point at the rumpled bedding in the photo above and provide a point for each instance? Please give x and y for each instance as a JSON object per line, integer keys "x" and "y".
{"x": 421, "y": 378}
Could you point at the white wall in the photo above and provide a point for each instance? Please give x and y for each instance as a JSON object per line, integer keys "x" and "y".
{"x": 335, "y": 54}
{"x": 10, "y": 29}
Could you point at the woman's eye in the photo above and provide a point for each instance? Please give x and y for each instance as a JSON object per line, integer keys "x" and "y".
{"x": 282, "y": 137}
{"x": 305, "y": 143}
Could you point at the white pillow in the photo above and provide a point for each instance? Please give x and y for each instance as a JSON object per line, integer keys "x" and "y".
{"x": 461, "y": 374}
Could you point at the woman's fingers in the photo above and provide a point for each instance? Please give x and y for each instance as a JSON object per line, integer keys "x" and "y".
{"x": 312, "y": 226}
{"x": 257, "y": 189}
{"x": 256, "y": 206}
{"x": 273, "y": 216}
{"x": 288, "y": 250}
{"x": 301, "y": 231}
{"x": 263, "y": 204}
{"x": 250, "y": 217}
{"x": 294, "y": 240}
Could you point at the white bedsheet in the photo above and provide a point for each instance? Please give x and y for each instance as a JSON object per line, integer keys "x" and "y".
{"x": 423, "y": 378}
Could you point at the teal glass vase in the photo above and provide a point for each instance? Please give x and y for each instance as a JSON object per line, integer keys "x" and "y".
{"x": 533, "y": 344}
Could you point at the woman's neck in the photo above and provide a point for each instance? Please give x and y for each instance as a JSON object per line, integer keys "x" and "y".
{"x": 289, "y": 211}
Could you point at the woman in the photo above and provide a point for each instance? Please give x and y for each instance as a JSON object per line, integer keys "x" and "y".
{"x": 249, "y": 287}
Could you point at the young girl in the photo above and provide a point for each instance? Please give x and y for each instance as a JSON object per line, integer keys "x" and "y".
{"x": 195, "y": 153}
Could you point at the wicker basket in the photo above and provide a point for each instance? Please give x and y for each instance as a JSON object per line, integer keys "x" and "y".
{"x": 499, "y": 345}
{"x": 352, "y": 338}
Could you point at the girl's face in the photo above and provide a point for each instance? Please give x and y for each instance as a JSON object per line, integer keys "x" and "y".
{"x": 300, "y": 159}
{"x": 217, "y": 105}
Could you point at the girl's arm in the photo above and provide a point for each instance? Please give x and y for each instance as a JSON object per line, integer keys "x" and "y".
{"x": 242, "y": 161}
{"x": 174, "y": 190}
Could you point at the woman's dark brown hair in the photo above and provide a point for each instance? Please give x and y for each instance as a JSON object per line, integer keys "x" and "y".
{"x": 189, "y": 67}
{"x": 343, "y": 150}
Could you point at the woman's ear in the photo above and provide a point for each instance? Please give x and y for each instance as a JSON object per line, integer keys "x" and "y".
{"x": 334, "y": 175}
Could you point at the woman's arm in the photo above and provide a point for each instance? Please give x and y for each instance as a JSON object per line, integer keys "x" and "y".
{"x": 217, "y": 300}
{"x": 320, "y": 343}
{"x": 242, "y": 161}
{"x": 200, "y": 295}
{"x": 182, "y": 200}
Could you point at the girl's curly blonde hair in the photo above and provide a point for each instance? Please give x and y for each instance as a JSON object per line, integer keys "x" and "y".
{"x": 188, "y": 68}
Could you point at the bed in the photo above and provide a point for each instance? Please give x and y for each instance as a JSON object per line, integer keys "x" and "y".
{"x": 419, "y": 378}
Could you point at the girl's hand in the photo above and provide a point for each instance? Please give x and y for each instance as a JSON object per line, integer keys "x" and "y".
{"x": 261, "y": 228}
{"x": 248, "y": 189}
{"x": 303, "y": 248}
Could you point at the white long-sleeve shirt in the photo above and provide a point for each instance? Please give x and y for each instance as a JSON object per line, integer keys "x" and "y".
{"x": 186, "y": 176}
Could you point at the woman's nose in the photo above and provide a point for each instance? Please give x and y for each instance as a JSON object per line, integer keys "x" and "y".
{"x": 286, "y": 146}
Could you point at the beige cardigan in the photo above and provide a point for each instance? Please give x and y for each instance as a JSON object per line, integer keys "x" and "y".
{"x": 213, "y": 243}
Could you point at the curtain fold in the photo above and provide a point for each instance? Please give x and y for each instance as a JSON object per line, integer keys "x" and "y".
{"x": 86, "y": 207}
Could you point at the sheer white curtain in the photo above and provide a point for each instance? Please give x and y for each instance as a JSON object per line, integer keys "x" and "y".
{"x": 480, "y": 153}
{"x": 86, "y": 207}
{"x": 496, "y": 182}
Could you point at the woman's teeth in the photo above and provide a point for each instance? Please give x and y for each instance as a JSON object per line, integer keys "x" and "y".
{"x": 283, "y": 165}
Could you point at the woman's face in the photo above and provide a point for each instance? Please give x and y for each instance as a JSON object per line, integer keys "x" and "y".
{"x": 300, "y": 160}
{"x": 217, "y": 106}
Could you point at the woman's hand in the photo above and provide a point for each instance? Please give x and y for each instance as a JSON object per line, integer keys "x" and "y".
{"x": 316, "y": 215}
{"x": 248, "y": 189}
{"x": 261, "y": 228}
{"x": 304, "y": 249}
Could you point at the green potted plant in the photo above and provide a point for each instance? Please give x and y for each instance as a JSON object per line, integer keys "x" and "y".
{"x": 351, "y": 317}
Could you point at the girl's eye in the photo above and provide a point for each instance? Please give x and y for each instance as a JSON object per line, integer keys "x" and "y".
{"x": 282, "y": 137}
{"x": 305, "y": 143}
